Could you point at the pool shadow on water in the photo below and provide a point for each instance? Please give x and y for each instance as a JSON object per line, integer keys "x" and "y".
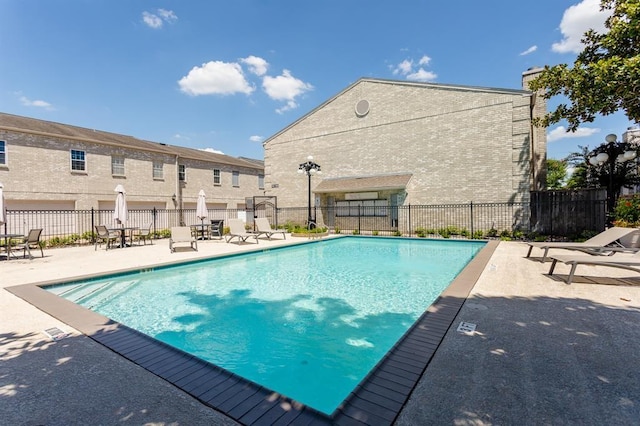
{"x": 308, "y": 349}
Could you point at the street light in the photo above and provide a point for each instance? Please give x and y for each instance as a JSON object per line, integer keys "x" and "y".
{"x": 310, "y": 168}
{"x": 612, "y": 153}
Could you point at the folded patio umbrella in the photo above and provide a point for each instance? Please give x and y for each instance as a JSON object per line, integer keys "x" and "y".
{"x": 120, "y": 213}
{"x": 201, "y": 207}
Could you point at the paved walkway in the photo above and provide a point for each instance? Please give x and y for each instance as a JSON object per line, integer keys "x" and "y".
{"x": 543, "y": 352}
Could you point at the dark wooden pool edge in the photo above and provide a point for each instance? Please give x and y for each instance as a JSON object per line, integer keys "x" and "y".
{"x": 377, "y": 400}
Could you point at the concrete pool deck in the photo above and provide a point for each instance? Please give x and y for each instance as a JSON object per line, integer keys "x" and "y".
{"x": 543, "y": 352}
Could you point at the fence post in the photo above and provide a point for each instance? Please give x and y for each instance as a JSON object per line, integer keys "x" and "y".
{"x": 154, "y": 215}
{"x": 409, "y": 219}
{"x": 471, "y": 214}
{"x": 93, "y": 223}
{"x": 359, "y": 216}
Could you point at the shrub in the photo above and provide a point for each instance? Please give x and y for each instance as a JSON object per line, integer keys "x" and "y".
{"x": 421, "y": 232}
{"x": 627, "y": 212}
{"x": 374, "y": 233}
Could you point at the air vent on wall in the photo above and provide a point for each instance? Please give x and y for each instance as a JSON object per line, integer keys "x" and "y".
{"x": 362, "y": 108}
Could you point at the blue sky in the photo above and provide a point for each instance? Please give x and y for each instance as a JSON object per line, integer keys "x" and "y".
{"x": 226, "y": 75}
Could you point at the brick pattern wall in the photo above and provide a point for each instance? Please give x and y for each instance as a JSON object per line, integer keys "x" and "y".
{"x": 38, "y": 176}
{"x": 461, "y": 144}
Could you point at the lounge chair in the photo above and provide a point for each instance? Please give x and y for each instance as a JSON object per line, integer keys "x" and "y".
{"x": 264, "y": 228}
{"x": 103, "y": 235}
{"x": 236, "y": 230}
{"x": 182, "y": 235}
{"x": 603, "y": 243}
{"x": 31, "y": 240}
{"x": 144, "y": 234}
{"x": 623, "y": 261}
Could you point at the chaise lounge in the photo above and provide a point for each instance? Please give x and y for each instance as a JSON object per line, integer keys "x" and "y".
{"x": 603, "y": 243}
{"x": 236, "y": 230}
{"x": 623, "y": 261}
{"x": 264, "y": 228}
{"x": 182, "y": 235}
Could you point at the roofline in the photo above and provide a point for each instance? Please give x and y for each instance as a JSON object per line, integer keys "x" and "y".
{"x": 165, "y": 149}
{"x": 402, "y": 83}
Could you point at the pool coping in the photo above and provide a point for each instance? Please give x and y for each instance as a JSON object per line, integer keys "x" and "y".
{"x": 378, "y": 399}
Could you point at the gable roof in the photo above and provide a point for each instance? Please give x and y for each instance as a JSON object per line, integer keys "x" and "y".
{"x": 407, "y": 83}
{"x": 34, "y": 126}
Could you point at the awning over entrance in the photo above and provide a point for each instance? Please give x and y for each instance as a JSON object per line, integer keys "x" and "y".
{"x": 364, "y": 183}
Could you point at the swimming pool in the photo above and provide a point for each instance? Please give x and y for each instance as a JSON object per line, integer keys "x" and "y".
{"x": 349, "y": 300}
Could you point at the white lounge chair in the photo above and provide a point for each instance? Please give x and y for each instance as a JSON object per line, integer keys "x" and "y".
{"x": 603, "y": 243}
{"x": 182, "y": 235}
{"x": 264, "y": 228}
{"x": 236, "y": 230}
{"x": 623, "y": 261}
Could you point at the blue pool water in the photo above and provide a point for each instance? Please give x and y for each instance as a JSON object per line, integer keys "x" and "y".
{"x": 308, "y": 321}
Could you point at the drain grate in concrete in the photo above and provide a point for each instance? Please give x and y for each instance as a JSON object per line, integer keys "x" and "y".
{"x": 466, "y": 327}
{"x": 55, "y": 333}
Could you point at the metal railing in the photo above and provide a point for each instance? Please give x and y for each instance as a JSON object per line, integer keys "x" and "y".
{"x": 470, "y": 220}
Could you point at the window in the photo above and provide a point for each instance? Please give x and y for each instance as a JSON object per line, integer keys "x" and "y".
{"x": 235, "y": 179}
{"x": 158, "y": 172}
{"x": 217, "y": 180}
{"x": 182, "y": 173}
{"x": 117, "y": 165}
{"x": 362, "y": 208}
{"x": 260, "y": 181}
{"x": 3, "y": 153}
{"x": 78, "y": 161}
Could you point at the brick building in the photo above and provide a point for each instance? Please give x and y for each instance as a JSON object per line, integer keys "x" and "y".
{"x": 383, "y": 143}
{"x": 52, "y": 166}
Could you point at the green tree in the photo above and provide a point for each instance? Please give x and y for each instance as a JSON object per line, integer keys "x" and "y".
{"x": 605, "y": 76}
{"x": 556, "y": 173}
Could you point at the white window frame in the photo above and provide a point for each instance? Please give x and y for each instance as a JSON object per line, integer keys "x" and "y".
{"x": 217, "y": 177}
{"x": 117, "y": 165}
{"x": 158, "y": 170}
{"x": 260, "y": 181}
{"x": 78, "y": 161}
{"x": 182, "y": 173}
{"x": 235, "y": 179}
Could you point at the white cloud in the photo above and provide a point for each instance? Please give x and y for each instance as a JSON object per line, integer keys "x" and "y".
{"x": 422, "y": 75}
{"x": 560, "y": 132}
{"x": 157, "y": 20}
{"x": 215, "y": 151}
{"x": 406, "y": 68}
{"x": 403, "y": 67}
{"x": 256, "y": 138}
{"x": 285, "y": 87}
{"x": 576, "y": 21}
{"x": 37, "y": 103}
{"x": 424, "y": 60}
{"x": 529, "y": 50}
{"x": 215, "y": 78}
{"x": 256, "y": 65}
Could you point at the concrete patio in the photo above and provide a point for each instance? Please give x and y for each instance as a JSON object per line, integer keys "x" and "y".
{"x": 543, "y": 352}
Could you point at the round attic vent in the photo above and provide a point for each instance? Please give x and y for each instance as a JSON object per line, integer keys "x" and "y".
{"x": 362, "y": 108}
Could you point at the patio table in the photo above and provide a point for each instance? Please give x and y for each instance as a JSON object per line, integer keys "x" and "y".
{"x": 7, "y": 243}
{"x": 123, "y": 234}
{"x": 201, "y": 231}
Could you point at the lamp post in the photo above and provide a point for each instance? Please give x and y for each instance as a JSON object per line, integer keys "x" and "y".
{"x": 309, "y": 168}
{"x": 613, "y": 153}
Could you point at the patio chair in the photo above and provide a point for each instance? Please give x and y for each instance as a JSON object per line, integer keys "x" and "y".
{"x": 144, "y": 234}
{"x": 236, "y": 230}
{"x": 182, "y": 235}
{"x": 103, "y": 235}
{"x": 623, "y": 261}
{"x": 264, "y": 228}
{"x": 603, "y": 243}
{"x": 31, "y": 240}
{"x": 217, "y": 228}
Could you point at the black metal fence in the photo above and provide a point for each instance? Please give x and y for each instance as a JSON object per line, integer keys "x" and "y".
{"x": 469, "y": 220}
